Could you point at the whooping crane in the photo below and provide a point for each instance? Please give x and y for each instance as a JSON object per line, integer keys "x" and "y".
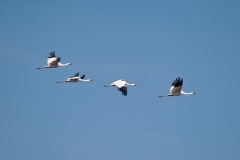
{"x": 54, "y": 62}
{"x": 122, "y": 86}
{"x": 76, "y": 78}
{"x": 176, "y": 88}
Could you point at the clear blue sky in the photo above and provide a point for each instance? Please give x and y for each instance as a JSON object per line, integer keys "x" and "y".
{"x": 145, "y": 42}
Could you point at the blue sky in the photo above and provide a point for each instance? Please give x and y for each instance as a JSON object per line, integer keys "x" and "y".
{"x": 149, "y": 43}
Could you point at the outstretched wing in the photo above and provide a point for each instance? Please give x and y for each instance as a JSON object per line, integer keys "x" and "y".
{"x": 55, "y": 62}
{"x": 176, "y": 85}
{"x": 75, "y": 75}
{"x": 51, "y": 57}
{"x": 117, "y": 82}
{"x": 123, "y": 90}
{"x": 83, "y": 76}
{"x": 51, "y": 54}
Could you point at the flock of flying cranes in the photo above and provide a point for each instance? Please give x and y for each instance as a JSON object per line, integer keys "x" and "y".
{"x": 53, "y": 62}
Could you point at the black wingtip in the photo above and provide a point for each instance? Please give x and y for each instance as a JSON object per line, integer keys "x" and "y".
{"x": 83, "y": 76}
{"x": 177, "y": 82}
{"x": 52, "y": 54}
{"x": 123, "y": 90}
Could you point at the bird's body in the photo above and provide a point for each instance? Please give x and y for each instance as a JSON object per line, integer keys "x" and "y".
{"x": 76, "y": 78}
{"x": 122, "y": 86}
{"x": 176, "y": 88}
{"x": 54, "y": 62}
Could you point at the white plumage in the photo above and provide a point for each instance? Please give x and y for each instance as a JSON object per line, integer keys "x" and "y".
{"x": 76, "y": 78}
{"x": 122, "y": 86}
{"x": 54, "y": 62}
{"x": 176, "y": 88}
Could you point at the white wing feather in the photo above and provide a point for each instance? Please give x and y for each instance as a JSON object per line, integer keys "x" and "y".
{"x": 175, "y": 89}
{"x": 50, "y": 60}
{"x": 119, "y": 83}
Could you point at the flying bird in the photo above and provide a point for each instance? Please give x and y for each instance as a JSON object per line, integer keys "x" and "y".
{"x": 176, "y": 88}
{"x": 122, "y": 86}
{"x": 76, "y": 78}
{"x": 54, "y": 62}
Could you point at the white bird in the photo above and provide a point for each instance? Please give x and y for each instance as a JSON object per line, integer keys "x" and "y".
{"x": 176, "y": 87}
{"x": 122, "y": 86}
{"x": 76, "y": 78}
{"x": 54, "y": 62}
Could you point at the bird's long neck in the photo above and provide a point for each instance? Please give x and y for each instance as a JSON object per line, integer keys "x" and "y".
{"x": 184, "y": 93}
{"x": 86, "y": 80}
{"x": 61, "y": 65}
{"x": 131, "y": 84}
